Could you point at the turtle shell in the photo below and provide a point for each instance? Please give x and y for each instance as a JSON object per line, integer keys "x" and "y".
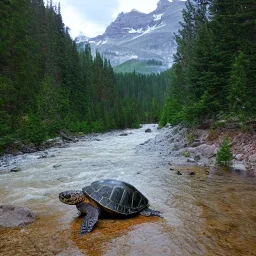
{"x": 116, "y": 196}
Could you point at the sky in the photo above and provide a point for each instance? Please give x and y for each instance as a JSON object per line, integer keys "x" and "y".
{"x": 91, "y": 17}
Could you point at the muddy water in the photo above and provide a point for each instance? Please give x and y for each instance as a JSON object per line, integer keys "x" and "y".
{"x": 204, "y": 214}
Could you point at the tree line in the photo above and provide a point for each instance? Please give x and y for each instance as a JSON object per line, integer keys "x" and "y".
{"x": 47, "y": 85}
{"x": 214, "y": 74}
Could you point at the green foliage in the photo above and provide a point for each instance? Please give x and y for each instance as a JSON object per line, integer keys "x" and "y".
{"x": 173, "y": 113}
{"x": 32, "y": 130}
{"x": 224, "y": 154}
{"x": 185, "y": 153}
{"x": 97, "y": 126}
{"x": 215, "y": 66}
{"x": 190, "y": 137}
{"x": 46, "y": 85}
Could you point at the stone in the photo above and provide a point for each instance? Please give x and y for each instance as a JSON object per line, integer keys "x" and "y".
{"x": 15, "y": 169}
{"x": 192, "y": 173}
{"x": 56, "y": 165}
{"x": 191, "y": 160}
{"x": 28, "y": 148}
{"x": 178, "y": 173}
{"x": 206, "y": 150}
{"x": 148, "y": 130}
{"x": 197, "y": 157}
{"x": 123, "y": 134}
{"x": 239, "y": 157}
{"x": 238, "y": 167}
{"x": 15, "y": 216}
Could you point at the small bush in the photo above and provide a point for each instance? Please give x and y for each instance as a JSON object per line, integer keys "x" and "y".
{"x": 224, "y": 154}
{"x": 185, "y": 154}
{"x": 190, "y": 137}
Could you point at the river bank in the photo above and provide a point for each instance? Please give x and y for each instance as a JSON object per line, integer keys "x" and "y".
{"x": 182, "y": 146}
{"x": 177, "y": 144}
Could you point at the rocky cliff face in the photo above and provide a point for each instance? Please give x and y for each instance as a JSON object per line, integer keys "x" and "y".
{"x": 140, "y": 36}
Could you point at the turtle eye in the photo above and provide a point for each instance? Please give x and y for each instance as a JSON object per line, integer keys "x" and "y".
{"x": 67, "y": 196}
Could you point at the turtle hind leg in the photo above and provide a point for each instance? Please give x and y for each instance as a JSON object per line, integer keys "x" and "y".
{"x": 91, "y": 218}
{"x": 149, "y": 212}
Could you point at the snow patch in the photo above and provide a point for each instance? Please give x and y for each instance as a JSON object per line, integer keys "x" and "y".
{"x": 150, "y": 29}
{"x": 98, "y": 43}
{"x": 133, "y": 57}
{"x": 134, "y": 31}
{"x": 157, "y": 16}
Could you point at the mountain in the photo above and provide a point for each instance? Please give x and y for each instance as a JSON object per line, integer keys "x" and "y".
{"x": 136, "y": 37}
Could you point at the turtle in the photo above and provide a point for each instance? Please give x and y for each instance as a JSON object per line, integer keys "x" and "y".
{"x": 112, "y": 197}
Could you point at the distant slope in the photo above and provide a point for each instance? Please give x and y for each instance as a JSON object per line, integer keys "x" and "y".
{"x": 140, "y": 66}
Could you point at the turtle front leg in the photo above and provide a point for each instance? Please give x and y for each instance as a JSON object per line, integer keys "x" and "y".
{"x": 149, "y": 212}
{"x": 91, "y": 218}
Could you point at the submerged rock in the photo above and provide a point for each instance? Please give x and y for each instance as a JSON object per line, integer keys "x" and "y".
{"x": 56, "y": 165}
{"x": 123, "y": 134}
{"x": 15, "y": 216}
{"x": 15, "y": 169}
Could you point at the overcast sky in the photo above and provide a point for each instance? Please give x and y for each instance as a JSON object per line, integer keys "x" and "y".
{"x": 91, "y": 17}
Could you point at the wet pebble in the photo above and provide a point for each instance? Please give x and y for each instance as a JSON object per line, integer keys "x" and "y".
{"x": 192, "y": 173}
{"x": 178, "y": 173}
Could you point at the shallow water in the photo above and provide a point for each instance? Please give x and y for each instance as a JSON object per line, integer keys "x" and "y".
{"x": 204, "y": 214}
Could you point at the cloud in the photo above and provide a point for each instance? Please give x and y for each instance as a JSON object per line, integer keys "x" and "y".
{"x": 92, "y": 17}
{"x": 89, "y": 17}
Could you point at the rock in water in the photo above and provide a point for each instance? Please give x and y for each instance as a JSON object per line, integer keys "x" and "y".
{"x": 15, "y": 216}
{"x": 15, "y": 169}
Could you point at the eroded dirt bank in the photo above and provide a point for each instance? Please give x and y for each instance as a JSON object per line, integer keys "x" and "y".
{"x": 209, "y": 213}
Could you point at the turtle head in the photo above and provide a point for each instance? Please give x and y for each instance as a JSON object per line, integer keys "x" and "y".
{"x": 72, "y": 197}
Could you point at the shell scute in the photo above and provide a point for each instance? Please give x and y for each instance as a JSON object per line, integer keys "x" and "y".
{"x": 116, "y": 196}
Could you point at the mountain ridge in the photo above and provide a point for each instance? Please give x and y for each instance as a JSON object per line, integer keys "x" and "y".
{"x": 141, "y": 36}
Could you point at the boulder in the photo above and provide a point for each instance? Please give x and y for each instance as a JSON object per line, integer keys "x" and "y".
{"x": 239, "y": 157}
{"x": 205, "y": 150}
{"x": 15, "y": 216}
{"x": 148, "y": 130}
{"x": 238, "y": 167}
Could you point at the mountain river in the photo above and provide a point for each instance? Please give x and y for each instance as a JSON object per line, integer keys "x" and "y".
{"x": 203, "y": 214}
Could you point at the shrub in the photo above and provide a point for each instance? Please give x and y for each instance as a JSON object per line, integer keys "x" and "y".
{"x": 224, "y": 154}
{"x": 185, "y": 153}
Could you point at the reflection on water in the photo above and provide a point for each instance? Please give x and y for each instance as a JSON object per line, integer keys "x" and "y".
{"x": 204, "y": 214}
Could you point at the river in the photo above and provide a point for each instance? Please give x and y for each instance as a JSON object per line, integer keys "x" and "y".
{"x": 204, "y": 214}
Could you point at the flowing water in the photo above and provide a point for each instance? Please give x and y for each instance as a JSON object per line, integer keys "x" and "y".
{"x": 204, "y": 214}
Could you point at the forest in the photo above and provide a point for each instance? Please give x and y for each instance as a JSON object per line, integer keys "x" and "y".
{"x": 214, "y": 74}
{"x": 47, "y": 85}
